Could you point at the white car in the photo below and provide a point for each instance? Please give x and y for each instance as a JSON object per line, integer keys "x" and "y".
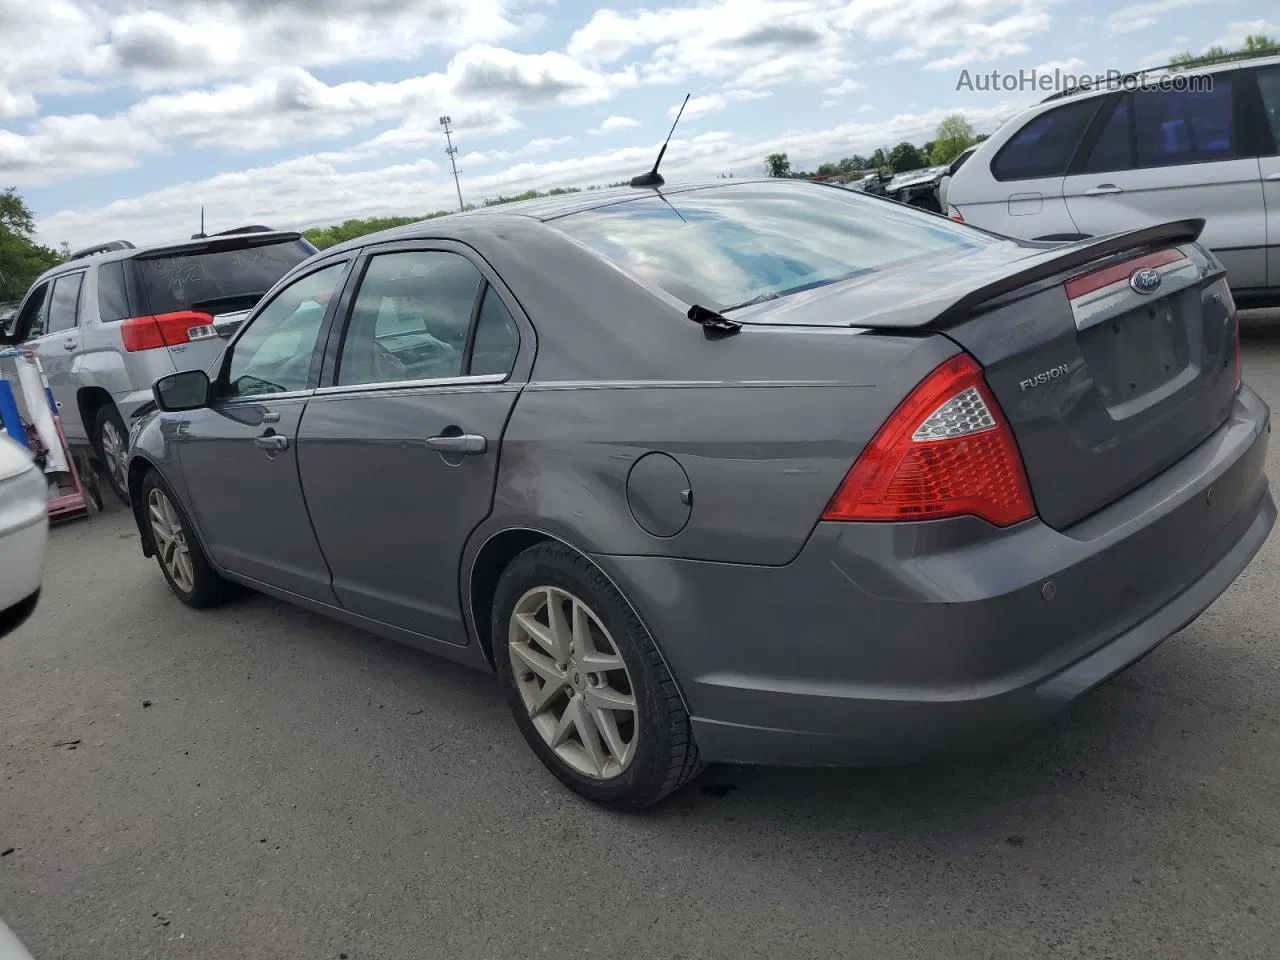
{"x": 1199, "y": 143}
{"x": 24, "y": 532}
{"x": 945, "y": 183}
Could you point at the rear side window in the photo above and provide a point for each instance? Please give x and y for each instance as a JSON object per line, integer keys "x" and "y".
{"x": 410, "y": 318}
{"x": 1044, "y": 147}
{"x": 113, "y": 303}
{"x": 724, "y": 247}
{"x": 1184, "y": 126}
{"x": 64, "y": 304}
{"x": 224, "y": 280}
{"x": 1269, "y": 87}
{"x": 496, "y": 338}
{"x": 1114, "y": 149}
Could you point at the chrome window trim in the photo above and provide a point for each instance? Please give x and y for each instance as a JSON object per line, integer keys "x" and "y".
{"x": 395, "y": 385}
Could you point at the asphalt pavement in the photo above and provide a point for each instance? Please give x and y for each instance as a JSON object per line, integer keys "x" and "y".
{"x": 258, "y": 782}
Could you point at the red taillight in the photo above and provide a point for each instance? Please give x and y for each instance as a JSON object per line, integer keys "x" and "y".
{"x": 957, "y": 217}
{"x": 947, "y": 451}
{"x": 162, "y": 330}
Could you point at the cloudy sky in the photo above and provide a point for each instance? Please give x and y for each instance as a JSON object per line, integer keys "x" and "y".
{"x": 119, "y": 118}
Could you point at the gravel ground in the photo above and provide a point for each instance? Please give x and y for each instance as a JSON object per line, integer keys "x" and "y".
{"x": 259, "y": 782}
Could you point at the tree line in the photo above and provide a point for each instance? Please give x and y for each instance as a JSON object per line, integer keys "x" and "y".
{"x": 954, "y": 136}
{"x": 22, "y": 259}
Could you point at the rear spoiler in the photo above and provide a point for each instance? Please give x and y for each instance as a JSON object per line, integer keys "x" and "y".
{"x": 1074, "y": 255}
{"x": 219, "y": 243}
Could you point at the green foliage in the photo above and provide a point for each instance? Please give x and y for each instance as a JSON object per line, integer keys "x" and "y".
{"x": 777, "y": 165}
{"x": 1255, "y": 45}
{"x": 21, "y": 258}
{"x": 532, "y": 195}
{"x": 323, "y": 237}
{"x": 879, "y": 160}
{"x": 955, "y": 135}
{"x": 906, "y": 156}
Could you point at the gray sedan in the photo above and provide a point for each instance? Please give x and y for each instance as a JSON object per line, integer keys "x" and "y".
{"x": 759, "y": 472}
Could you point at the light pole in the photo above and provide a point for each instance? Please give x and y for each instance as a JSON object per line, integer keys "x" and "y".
{"x": 452, "y": 152}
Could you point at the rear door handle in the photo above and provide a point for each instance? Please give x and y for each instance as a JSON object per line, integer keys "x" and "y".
{"x": 272, "y": 441}
{"x": 69, "y": 344}
{"x": 1272, "y": 176}
{"x": 468, "y": 444}
{"x": 1102, "y": 190}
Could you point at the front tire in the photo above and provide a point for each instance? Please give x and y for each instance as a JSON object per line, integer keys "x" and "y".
{"x": 110, "y": 443}
{"x": 586, "y": 684}
{"x": 178, "y": 552}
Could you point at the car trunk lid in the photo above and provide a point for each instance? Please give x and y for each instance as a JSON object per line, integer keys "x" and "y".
{"x": 1111, "y": 359}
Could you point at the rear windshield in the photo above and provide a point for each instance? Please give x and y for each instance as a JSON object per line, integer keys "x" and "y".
{"x": 726, "y": 246}
{"x": 174, "y": 283}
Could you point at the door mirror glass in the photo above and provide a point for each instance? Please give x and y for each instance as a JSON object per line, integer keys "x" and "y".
{"x": 188, "y": 390}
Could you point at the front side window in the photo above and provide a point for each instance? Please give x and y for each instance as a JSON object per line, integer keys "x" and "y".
{"x": 724, "y": 247}
{"x": 32, "y": 318}
{"x": 1184, "y": 126}
{"x": 1045, "y": 146}
{"x": 275, "y": 352}
{"x": 64, "y": 305}
{"x": 410, "y": 318}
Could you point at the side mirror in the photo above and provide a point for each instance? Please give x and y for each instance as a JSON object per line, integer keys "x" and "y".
{"x": 188, "y": 390}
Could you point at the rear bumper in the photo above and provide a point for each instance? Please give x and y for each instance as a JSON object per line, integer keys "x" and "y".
{"x": 893, "y": 643}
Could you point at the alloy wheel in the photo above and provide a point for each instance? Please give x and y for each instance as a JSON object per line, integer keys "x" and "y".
{"x": 113, "y": 451}
{"x": 573, "y": 682}
{"x": 171, "y": 542}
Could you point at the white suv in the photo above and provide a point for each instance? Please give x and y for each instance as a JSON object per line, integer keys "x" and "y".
{"x": 1192, "y": 144}
{"x": 114, "y": 318}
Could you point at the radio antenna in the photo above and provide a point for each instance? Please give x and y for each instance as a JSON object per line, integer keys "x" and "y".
{"x": 653, "y": 178}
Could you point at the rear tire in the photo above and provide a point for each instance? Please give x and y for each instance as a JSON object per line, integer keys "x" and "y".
{"x": 177, "y": 550}
{"x": 110, "y": 443}
{"x": 613, "y": 681}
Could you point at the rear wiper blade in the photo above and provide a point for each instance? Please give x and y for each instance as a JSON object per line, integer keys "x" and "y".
{"x": 762, "y": 298}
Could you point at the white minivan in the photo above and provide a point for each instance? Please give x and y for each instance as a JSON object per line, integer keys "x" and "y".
{"x": 1192, "y": 144}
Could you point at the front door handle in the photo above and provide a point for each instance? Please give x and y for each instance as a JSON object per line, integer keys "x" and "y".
{"x": 468, "y": 444}
{"x": 69, "y": 343}
{"x": 272, "y": 441}
{"x": 1102, "y": 190}
{"x": 1273, "y": 176}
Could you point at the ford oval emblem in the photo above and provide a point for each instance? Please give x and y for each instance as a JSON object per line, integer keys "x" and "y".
{"x": 1145, "y": 281}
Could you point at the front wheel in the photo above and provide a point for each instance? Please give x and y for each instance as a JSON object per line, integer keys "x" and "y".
{"x": 588, "y": 687}
{"x": 182, "y": 561}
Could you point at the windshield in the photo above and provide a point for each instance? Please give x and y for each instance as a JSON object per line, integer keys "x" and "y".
{"x": 170, "y": 284}
{"x": 727, "y": 246}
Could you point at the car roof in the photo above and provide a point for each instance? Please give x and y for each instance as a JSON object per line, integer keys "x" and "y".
{"x": 540, "y": 209}
{"x": 1222, "y": 66}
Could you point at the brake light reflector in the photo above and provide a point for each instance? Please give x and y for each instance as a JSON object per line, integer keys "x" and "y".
{"x": 161, "y": 330}
{"x": 946, "y": 451}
